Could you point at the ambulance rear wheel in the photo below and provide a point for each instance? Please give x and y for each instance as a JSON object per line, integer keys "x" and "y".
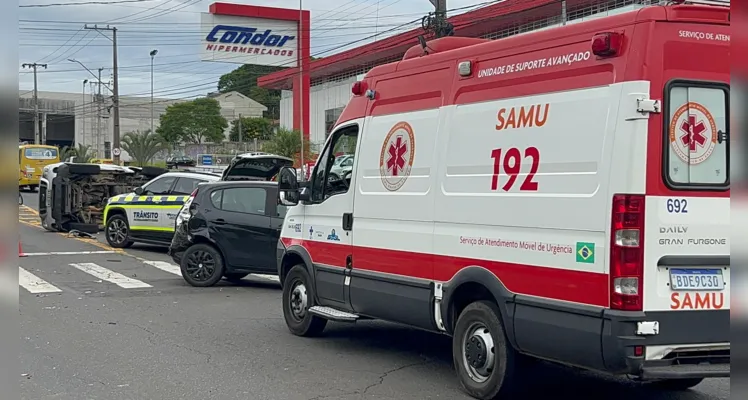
{"x": 298, "y": 298}
{"x": 117, "y": 232}
{"x": 483, "y": 358}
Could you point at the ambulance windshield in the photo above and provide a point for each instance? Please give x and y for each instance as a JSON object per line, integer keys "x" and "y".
{"x": 697, "y": 136}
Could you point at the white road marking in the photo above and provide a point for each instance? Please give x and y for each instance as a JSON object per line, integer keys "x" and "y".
{"x": 165, "y": 266}
{"x": 110, "y": 276}
{"x": 70, "y": 253}
{"x": 34, "y": 284}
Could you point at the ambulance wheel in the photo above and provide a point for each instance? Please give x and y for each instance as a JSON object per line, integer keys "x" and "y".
{"x": 298, "y": 297}
{"x": 483, "y": 358}
{"x": 117, "y": 232}
{"x": 677, "y": 384}
{"x": 202, "y": 265}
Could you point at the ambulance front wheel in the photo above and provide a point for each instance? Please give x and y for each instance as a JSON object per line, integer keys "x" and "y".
{"x": 298, "y": 297}
{"x": 117, "y": 232}
{"x": 483, "y": 358}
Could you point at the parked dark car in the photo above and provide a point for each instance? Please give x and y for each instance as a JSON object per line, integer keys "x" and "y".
{"x": 179, "y": 161}
{"x": 230, "y": 229}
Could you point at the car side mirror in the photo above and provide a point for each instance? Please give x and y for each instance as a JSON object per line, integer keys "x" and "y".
{"x": 288, "y": 180}
{"x": 139, "y": 190}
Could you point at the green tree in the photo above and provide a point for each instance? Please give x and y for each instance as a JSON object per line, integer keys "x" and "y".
{"x": 244, "y": 81}
{"x": 195, "y": 121}
{"x": 82, "y": 153}
{"x": 286, "y": 143}
{"x": 143, "y": 146}
{"x": 252, "y": 128}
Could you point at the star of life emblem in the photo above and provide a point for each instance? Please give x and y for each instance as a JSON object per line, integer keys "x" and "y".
{"x": 693, "y": 133}
{"x": 396, "y": 158}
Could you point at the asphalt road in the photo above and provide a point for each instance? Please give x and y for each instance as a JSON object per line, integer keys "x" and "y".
{"x": 149, "y": 335}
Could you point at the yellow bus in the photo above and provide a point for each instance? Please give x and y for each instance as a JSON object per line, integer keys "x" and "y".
{"x": 32, "y": 158}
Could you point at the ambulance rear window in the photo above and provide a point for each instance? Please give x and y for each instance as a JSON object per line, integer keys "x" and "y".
{"x": 697, "y": 153}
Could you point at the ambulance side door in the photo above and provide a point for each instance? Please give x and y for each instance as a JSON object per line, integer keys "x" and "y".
{"x": 327, "y": 239}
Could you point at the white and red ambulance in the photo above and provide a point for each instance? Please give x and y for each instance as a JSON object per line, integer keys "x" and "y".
{"x": 562, "y": 194}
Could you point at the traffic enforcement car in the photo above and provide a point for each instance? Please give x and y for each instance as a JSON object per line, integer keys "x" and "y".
{"x": 148, "y": 213}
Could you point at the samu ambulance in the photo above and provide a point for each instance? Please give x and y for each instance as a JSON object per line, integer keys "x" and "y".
{"x": 562, "y": 194}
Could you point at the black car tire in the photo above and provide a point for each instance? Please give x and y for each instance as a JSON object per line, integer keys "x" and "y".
{"x": 235, "y": 276}
{"x": 495, "y": 380}
{"x": 206, "y": 253}
{"x": 677, "y": 384}
{"x": 300, "y": 322}
{"x": 114, "y": 222}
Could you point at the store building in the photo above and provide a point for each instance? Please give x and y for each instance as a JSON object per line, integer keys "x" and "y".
{"x": 332, "y": 76}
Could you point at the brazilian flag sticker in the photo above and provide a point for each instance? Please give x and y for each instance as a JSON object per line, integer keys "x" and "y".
{"x": 585, "y": 252}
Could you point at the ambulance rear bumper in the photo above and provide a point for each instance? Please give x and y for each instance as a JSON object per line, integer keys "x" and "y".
{"x": 691, "y": 344}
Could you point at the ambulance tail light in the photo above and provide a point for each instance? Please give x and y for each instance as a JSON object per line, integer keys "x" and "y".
{"x": 627, "y": 253}
{"x": 607, "y": 44}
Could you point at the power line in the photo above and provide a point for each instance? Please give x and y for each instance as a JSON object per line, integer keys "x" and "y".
{"x": 83, "y": 3}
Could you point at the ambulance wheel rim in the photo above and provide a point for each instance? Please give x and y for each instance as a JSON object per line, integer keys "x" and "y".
{"x": 201, "y": 265}
{"x": 478, "y": 352}
{"x": 117, "y": 231}
{"x": 298, "y": 300}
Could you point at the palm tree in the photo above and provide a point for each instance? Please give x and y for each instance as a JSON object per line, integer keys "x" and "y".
{"x": 143, "y": 146}
{"x": 82, "y": 153}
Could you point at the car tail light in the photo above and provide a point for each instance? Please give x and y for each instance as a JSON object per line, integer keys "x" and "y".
{"x": 627, "y": 253}
{"x": 187, "y": 211}
{"x": 607, "y": 44}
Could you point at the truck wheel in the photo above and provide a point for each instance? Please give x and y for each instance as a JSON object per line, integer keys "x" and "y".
{"x": 202, "y": 265}
{"x": 483, "y": 358}
{"x": 677, "y": 384}
{"x": 117, "y": 232}
{"x": 298, "y": 297}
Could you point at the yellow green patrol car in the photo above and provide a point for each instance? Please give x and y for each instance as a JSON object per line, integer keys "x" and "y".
{"x": 148, "y": 214}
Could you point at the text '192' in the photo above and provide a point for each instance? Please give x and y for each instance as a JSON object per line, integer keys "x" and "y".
{"x": 510, "y": 160}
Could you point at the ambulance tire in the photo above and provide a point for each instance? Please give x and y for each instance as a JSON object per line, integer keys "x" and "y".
{"x": 118, "y": 222}
{"x": 202, "y": 252}
{"x": 677, "y": 384}
{"x": 485, "y": 361}
{"x": 298, "y": 319}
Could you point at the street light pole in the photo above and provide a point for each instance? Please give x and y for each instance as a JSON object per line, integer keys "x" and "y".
{"x": 153, "y": 55}
{"x": 83, "y": 114}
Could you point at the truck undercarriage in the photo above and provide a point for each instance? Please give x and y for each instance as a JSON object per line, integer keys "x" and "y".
{"x": 80, "y": 193}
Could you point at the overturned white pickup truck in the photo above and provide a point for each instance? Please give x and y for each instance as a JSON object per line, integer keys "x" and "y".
{"x": 72, "y": 196}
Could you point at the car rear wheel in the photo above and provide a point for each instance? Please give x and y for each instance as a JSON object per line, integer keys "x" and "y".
{"x": 117, "y": 232}
{"x": 484, "y": 360}
{"x": 202, "y": 265}
{"x": 298, "y": 297}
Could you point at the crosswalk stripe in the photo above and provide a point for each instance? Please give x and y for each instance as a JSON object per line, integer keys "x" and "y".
{"x": 165, "y": 266}
{"x": 110, "y": 276}
{"x": 34, "y": 284}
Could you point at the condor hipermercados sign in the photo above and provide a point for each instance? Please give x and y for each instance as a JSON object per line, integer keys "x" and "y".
{"x": 244, "y": 40}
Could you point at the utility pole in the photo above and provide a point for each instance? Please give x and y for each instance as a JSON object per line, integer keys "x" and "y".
{"x": 153, "y": 55}
{"x": 98, "y": 115}
{"x": 437, "y": 23}
{"x": 34, "y": 66}
{"x": 115, "y": 91}
{"x": 83, "y": 114}
{"x": 240, "y": 133}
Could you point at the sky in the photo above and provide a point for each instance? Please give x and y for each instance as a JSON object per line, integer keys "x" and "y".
{"x": 53, "y": 34}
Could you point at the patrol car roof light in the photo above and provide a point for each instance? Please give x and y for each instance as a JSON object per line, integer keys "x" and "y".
{"x": 627, "y": 253}
{"x": 607, "y": 44}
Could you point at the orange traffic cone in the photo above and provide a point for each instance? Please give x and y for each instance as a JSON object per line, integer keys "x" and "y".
{"x": 20, "y": 250}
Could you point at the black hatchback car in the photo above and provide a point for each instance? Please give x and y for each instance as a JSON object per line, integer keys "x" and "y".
{"x": 230, "y": 229}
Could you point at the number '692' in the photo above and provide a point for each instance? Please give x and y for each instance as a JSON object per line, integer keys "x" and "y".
{"x": 677, "y": 206}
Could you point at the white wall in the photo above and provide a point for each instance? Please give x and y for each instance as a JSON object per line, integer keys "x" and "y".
{"x": 322, "y": 97}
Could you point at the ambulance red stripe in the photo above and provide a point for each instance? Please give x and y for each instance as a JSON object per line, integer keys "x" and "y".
{"x": 551, "y": 283}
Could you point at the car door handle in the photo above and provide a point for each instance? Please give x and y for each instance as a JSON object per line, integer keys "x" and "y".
{"x": 220, "y": 221}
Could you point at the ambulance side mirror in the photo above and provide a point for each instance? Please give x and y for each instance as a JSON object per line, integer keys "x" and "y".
{"x": 288, "y": 187}
{"x": 139, "y": 190}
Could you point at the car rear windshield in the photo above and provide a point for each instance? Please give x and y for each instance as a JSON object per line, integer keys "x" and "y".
{"x": 697, "y": 133}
